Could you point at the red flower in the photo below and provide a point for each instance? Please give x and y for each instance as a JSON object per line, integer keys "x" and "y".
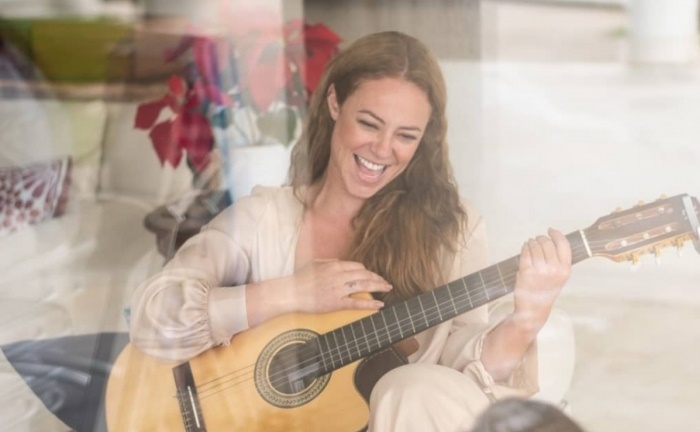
{"x": 268, "y": 51}
{"x": 188, "y": 131}
{"x": 310, "y": 47}
{"x": 266, "y": 62}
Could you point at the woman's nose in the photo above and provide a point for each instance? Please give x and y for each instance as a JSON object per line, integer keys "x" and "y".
{"x": 382, "y": 145}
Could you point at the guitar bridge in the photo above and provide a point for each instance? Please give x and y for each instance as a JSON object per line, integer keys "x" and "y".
{"x": 188, "y": 399}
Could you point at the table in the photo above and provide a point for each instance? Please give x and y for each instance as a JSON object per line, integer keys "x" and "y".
{"x": 171, "y": 233}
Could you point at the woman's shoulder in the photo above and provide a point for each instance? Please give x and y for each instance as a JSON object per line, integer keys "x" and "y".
{"x": 263, "y": 202}
{"x": 281, "y": 195}
{"x": 282, "y": 200}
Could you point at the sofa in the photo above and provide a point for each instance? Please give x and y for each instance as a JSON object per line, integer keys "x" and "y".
{"x": 73, "y": 274}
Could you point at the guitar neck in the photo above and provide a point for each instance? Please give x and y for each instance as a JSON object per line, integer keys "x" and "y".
{"x": 404, "y": 319}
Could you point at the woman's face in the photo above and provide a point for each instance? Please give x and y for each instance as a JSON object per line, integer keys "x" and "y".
{"x": 377, "y": 131}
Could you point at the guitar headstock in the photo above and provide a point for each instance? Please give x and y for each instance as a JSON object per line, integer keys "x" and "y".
{"x": 645, "y": 228}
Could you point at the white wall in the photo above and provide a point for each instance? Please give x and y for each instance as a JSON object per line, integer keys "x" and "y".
{"x": 535, "y": 146}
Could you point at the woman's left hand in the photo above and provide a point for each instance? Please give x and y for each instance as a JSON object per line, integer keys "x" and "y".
{"x": 545, "y": 266}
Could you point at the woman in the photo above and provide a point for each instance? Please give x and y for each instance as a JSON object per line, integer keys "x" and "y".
{"x": 372, "y": 207}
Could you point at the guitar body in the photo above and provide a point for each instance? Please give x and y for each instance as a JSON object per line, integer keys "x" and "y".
{"x": 234, "y": 385}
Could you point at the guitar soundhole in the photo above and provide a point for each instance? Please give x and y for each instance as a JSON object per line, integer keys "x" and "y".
{"x": 290, "y": 372}
{"x": 286, "y": 371}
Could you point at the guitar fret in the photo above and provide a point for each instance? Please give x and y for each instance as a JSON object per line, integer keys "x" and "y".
{"x": 452, "y": 300}
{"x": 386, "y": 326}
{"x": 466, "y": 288}
{"x": 376, "y": 336}
{"x": 362, "y": 324}
{"x": 321, "y": 353}
{"x": 492, "y": 274}
{"x": 500, "y": 275}
{"x": 376, "y": 331}
{"x": 328, "y": 350}
{"x": 437, "y": 305}
{"x": 335, "y": 339}
{"x": 483, "y": 283}
{"x": 422, "y": 309}
{"x": 354, "y": 336}
{"x": 347, "y": 344}
{"x": 398, "y": 321}
{"x": 410, "y": 318}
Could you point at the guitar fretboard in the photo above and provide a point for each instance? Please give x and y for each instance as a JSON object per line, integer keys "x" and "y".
{"x": 403, "y": 319}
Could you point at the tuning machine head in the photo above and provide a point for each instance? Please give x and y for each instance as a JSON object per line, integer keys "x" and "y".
{"x": 634, "y": 259}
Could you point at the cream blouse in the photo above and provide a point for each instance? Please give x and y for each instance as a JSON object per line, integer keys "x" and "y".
{"x": 198, "y": 301}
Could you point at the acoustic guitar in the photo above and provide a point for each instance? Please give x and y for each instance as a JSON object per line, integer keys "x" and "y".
{"x": 305, "y": 372}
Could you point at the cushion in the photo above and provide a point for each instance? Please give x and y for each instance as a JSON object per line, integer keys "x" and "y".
{"x": 32, "y": 194}
{"x": 79, "y": 128}
{"x": 34, "y": 131}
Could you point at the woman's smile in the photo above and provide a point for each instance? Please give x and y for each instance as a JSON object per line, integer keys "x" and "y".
{"x": 368, "y": 170}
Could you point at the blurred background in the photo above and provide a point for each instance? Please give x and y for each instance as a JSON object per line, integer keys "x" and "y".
{"x": 560, "y": 112}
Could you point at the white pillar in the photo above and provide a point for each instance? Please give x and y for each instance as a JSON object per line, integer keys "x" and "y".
{"x": 663, "y": 31}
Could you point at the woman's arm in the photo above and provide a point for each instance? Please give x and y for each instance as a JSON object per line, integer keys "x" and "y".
{"x": 207, "y": 294}
{"x": 545, "y": 266}
{"x": 188, "y": 307}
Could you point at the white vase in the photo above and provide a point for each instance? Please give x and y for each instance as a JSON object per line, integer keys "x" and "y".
{"x": 249, "y": 166}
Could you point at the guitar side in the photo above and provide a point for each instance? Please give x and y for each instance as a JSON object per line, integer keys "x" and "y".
{"x": 141, "y": 389}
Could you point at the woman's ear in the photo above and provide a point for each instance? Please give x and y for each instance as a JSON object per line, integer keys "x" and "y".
{"x": 332, "y": 101}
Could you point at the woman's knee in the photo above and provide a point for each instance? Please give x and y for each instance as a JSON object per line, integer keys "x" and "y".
{"x": 418, "y": 379}
{"x": 434, "y": 396}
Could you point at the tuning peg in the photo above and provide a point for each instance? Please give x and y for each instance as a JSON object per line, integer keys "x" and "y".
{"x": 640, "y": 203}
{"x": 657, "y": 256}
{"x": 679, "y": 248}
{"x": 662, "y": 197}
{"x": 617, "y": 210}
{"x": 635, "y": 262}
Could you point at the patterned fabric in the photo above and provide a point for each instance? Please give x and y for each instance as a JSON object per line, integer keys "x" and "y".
{"x": 32, "y": 194}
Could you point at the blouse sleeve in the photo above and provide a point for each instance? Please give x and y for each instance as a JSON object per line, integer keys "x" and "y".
{"x": 198, "y": 300}
{"x": 463, "y": 347}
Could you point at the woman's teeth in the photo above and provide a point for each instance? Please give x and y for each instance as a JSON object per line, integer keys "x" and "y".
{"x": 369, "y": 165}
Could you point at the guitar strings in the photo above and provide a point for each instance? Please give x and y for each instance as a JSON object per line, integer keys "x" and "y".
{"x": 486, "y": 287}
{"x": 388, "y": 331}
{"x": 245, "y": 372}
{"x": 347, "y": 346}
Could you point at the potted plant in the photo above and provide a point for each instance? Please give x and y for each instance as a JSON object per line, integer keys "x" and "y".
{"x": 244, "y": 92}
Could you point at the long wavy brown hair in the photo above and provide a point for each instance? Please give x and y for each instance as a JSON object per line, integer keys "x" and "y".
{"x": 408, "y": 230}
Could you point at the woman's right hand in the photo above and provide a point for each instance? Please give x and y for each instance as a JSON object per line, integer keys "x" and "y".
{"x": 320, "y": 286}
{"x": 328, "y": 286}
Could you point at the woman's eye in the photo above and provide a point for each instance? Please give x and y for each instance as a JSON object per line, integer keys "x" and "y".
{"x": 368, "y": 124}
{"x": 407, "y": 137}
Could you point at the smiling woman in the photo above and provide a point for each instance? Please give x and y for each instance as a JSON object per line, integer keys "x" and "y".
{"x": 372, "y": 220}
